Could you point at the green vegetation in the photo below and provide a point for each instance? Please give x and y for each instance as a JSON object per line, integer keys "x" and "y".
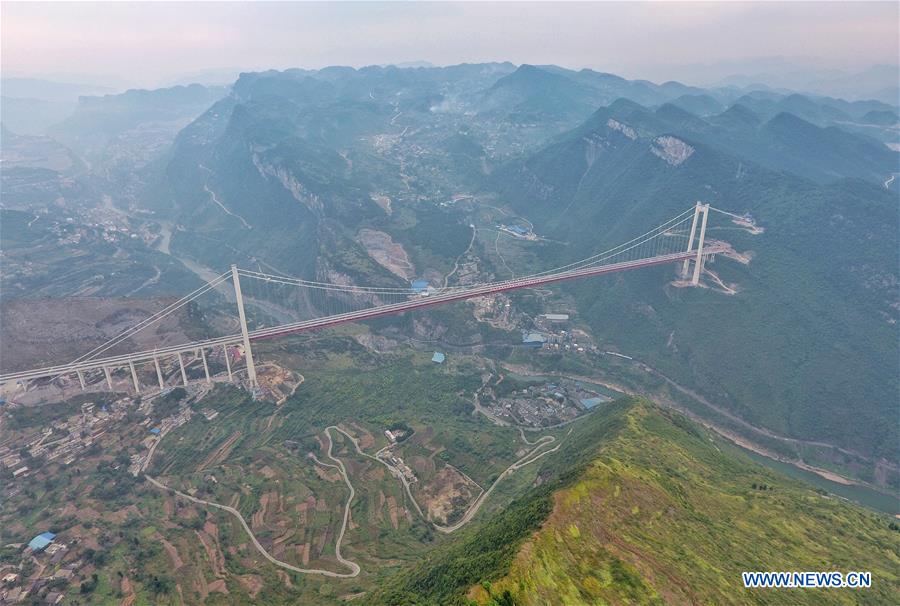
{"x": 651, "y": 510}
{"x": 809, "y": 329}
{"x": 638, "y": 505}
{"x": 480, "y": 554}
{"x": 167, "y": 405}
{"x": 71, "y": 263}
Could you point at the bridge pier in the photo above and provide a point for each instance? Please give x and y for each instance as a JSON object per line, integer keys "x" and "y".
{"x": 698, "y": 263}
{"x": 134, "y": 377}
{"x": 205, "y": 366}
{"x": 183, "y": 372}
{"x": 251, "y": 367}
{"x": 80, "y": 379}
{"x": 162, "y": 384}
{"x": 690, "y": 247}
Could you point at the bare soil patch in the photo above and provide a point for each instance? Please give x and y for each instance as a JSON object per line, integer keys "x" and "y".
{"x": 253, "y": 583}
{"x": 387, "y": 253}
{"x": 172, "y": 553}
{"x": 447, "y": 492}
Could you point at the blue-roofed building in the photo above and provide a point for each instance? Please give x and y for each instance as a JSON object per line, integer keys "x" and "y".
{"x": 518, "y": 230}
{"x": 438, "y": 357}
{"x": 533, "y": 339}
{"x": 591, "y": 402}
{"x": 40, "y": 542}
{"x": 419, "y": 286}
{"x": 155, "y": 431}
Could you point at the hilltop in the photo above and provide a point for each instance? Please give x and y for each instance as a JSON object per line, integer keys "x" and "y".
{"x": 654, "y": 510}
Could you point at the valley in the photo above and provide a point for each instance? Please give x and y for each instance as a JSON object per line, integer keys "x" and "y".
{"x": 581, "y": 439}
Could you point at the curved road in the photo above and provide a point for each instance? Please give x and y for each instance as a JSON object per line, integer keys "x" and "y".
{"x": 530, "y": 457}
{"x": 394, "y": 471}
{"x": 353, "y": 566}
{"x": 525, "y": 460}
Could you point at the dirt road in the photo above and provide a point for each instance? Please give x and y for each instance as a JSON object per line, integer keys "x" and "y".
{"x": 343, "y": 575}
{"x": 530, "y": 457}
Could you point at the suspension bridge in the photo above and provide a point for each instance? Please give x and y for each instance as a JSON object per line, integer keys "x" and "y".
{"x": 680, "y": 240}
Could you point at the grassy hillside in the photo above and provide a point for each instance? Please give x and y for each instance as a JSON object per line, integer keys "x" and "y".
{"x": 652, "y": 510}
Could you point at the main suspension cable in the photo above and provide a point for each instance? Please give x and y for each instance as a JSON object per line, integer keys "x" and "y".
{"x": 588, "y": 261}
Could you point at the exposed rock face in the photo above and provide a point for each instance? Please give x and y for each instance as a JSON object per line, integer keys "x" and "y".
{"x": 593, "y": 146}
{"x": 383, "y": 202}
{"x": 622, "y": 128}
{"x": 672, "y": 150}
{"x": 597, "y": 143}
{"x": 290, "y": 183}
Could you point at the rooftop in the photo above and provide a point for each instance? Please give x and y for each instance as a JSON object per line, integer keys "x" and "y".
{"x": 591, "y": 402}
{"x": 438, "y": 357}
{"x": 533, "y": 337}
{"x": 557, "y": 317}
{"x": 41, "y": 541}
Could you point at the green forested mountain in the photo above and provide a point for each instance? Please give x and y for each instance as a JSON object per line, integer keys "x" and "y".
{"x": 292, "y": 170}
{"x": 805, "y": 346}
{"x": 288, "y": 168}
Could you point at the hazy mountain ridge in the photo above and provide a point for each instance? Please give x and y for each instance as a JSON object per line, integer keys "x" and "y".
{"x": 155, "y": 115}
{"x": 31, "y": 105}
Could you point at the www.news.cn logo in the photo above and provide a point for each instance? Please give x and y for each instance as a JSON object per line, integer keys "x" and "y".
{"x": 793, "y": 580}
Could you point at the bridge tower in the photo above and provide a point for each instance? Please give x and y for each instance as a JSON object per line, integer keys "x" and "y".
{"x": 699, "y": 209}
{"x": 251, "y": 367}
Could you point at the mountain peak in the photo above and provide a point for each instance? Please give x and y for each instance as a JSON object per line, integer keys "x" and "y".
{"x": 532, "y": 75}
{"x": 738, "y": 115}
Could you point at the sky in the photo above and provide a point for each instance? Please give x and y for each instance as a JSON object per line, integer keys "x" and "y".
{"x": 154, "y": 43}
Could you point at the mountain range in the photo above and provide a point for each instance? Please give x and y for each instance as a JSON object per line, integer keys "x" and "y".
{"x": 285, "y": 168}
{"x": 384, "y": 175}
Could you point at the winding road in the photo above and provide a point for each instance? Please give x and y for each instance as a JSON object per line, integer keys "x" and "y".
{"x": 522, "y": 462}
{"x": 215, "y": 199}
{"x": 530, "y": 457}
{"x": 353, "y": 566}
{"x": 461, "y": 255}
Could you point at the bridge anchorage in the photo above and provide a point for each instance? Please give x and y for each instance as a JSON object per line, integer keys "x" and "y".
{"x": 681, "y": 239}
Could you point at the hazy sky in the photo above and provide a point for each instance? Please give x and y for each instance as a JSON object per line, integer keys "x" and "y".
{"x": 150, "y": 43}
